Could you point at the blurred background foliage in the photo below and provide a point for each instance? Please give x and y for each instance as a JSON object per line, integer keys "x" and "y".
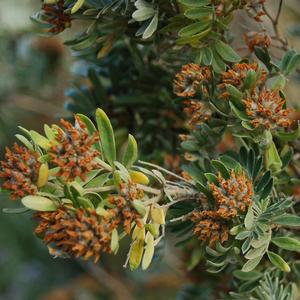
{"x": 39, "y": 82}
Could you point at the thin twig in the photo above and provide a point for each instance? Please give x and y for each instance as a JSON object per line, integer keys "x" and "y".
{"x": 119, "y": 288}
{"x": 164, "y": 170}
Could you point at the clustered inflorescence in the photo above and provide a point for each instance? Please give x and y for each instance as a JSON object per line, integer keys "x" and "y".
{"x": 20, "y": 171}
{"x": 232, "y": 198}
{"x": 73, "y": 150}
{"x": 265, "y": 108}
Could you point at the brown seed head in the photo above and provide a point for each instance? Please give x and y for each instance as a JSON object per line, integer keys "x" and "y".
{"x": 73, "y": 150}
{"x": 20, "y": 171}
{"x": 76, "y": 233}
{"x": 266, "y": 109}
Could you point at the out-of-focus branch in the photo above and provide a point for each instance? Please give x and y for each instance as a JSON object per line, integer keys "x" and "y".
{"x": 117, "y": 287}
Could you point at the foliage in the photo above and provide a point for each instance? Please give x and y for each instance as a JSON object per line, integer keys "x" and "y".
{"x": 232, "y": 210}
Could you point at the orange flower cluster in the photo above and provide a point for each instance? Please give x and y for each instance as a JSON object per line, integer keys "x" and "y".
{"x": 232, "y": 197}
{"x": 189, "y": 79}
{"x": 20, "y": 171}
{"x": 73, "y": 150}
{"x": 54, "y": 14}
{"x": 266, "y": 109}
{"x": 237, "y": 74}
{"x": 197, "y": 111}
{"x": 124, "y": 207}
{"x": 257, "y": 39}
{"x": 209, "y": 227}
{"x": 76, "y": 233}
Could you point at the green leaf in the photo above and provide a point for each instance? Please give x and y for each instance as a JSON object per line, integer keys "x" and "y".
{"x": 78, "y": 4}
{"x": 250, "y": 80}
{"x": 149, "y": 252}
{"x": 143, "y": 14}
{"x": 249, "y": 219}
{"x": 207, "y": 57}
{"x": 40, "y": 140}
{"x": 286, "y": 243}
{"x": 289, "y": 136}
{"x": 131, "y": 153}
{"x": 114, "y": 244}
{"x": 107, "y": 138}
{"x": 287, "y": 220}
{"x": 251, "y": 264}
{"x": 226, "y": 52}
{"x": 192, "y": 29}
{"x": 278, "y": 261}
{"x": 194, "y": 3}
{"x": 211, "y": 178}
{"x": 219, "y": 166}
{"x": 198, "y": 13}
{"x": 39, "y": 203}
{"x": 25, "y": 141}
{"x": 247, "y": 276}
{"x": 151, "y": 28}
{"x": 136, "y": 254}
{"x": 18, "y": 210}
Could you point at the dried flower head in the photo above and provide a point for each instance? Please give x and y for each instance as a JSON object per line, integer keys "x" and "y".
{"x": 197, "y": 111}
{"x": 125, "y": 209}
{"x": 73, "y": 150}
{"x": 20, "y": 171}
{"x": 55, "y": 15}
{"x": 232, "y": 195}
{"x": 266, "y": 109}
{"x": 237, "y": 74}
{"x": 210, "y": 228}
{"x": 188, "y": 80}
{"x": 76, "y": 233}
{"x": 257, "y": 39}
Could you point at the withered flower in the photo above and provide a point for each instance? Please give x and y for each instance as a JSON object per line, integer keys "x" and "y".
{"x": 197, "y": 111}
{"x": 125, "y": 209}
{"x": 267, "y": 109}
{"x": 73, "y": 150}
{"x": 55, "y": 15}
{"x": 257, "y": 39}
{"x": 210, "y": 230}
{"x": 232, "y": 195}
{"x": 20, "y": 171}
{"x": 188, "y": 80}
{"x": 238, "y": 73}
{"x": 77, "y": 233}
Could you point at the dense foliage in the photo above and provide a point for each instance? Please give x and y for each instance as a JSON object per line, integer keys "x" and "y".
{"x": 167, "y": 72}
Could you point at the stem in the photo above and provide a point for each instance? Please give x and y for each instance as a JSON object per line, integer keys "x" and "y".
{"x": 164, "y": 170}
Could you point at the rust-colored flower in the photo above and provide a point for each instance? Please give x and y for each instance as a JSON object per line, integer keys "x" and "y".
{"x": 197, "y": 111}
{"x": 267, "y": 109}
{"x": 55, "y": 15}
{"x": 188, "y": 80}
{"x": 77, "y": 233}
{"x": 232, "y": 195}
{"x": 238, "y": 73}
{"x": 257, "y": 39}
{"x": 209, "y": 227}
{"x": 20, "y": 171}
{"x": 73, "y": 150}
{"x": 124, "y": 205}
